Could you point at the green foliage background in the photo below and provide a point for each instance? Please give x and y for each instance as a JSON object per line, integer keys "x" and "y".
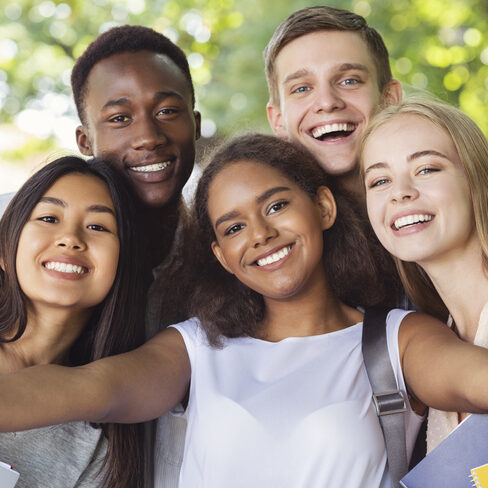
{"x": 435, "y": 45}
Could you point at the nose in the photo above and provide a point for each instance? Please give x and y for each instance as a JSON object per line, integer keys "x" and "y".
{"x": 148, "y": 134}
{"x": 404, "y": 190}
{"x": 327, "y": 99}
{"x": 71, "y": 240}
{"x": 262, "y": 232}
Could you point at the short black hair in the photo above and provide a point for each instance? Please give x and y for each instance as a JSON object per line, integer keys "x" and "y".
{"x": 126, "y": 38}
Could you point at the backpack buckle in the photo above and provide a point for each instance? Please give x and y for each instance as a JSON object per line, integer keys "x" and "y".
{"x": 389, "y": 402}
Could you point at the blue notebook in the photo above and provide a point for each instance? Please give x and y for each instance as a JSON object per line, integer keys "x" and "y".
{"x": 460, "y": 461}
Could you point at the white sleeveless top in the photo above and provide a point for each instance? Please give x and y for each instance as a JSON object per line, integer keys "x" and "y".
{"x": 295, "y": 413}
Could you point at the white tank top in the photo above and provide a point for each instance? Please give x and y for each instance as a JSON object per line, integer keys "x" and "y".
{"x": 290, "y": 414}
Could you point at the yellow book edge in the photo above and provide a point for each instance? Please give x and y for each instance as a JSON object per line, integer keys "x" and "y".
{"x": 479, "y": 475}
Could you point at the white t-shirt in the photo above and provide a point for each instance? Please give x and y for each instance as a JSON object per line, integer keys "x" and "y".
{"x": 295, "y": 413}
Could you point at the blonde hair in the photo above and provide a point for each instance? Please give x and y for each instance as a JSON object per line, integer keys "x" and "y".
{"x": 472, "y": 148}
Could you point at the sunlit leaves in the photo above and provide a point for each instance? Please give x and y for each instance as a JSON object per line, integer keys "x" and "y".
{"x": 435, "y": 45}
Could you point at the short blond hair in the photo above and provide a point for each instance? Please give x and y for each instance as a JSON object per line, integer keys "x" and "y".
{"x": 472, "y": 148}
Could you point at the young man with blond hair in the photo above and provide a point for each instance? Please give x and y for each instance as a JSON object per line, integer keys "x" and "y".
{"x": 327, "y": 73}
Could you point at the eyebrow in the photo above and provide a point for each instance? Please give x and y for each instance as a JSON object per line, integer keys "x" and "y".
{"x": 350, "y": 66}
{"x": 427, "y": 152}
{"x": 92, "y": 208}
{"x": 159, "y": 96}
{"x": 259, "y": 199}
{"x": 342, "y": 67}
{"x": 410, "y": 158}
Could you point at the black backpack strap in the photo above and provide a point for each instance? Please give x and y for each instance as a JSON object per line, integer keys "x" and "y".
{"x": 389, "y": 402}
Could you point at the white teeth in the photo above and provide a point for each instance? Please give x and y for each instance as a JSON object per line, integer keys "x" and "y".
{"x": 272, "y": 258}
{"x": 327, "y": 128}
{"x": 150, "y": 167}
{"x": 65, "y": 267}
{"x": 411, "y": 219}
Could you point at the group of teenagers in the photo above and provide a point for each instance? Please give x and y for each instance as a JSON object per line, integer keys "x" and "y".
{"x": 237, "y": 323}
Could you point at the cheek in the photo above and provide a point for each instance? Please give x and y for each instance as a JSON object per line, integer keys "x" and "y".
{"x": 28, "y": 244}
{"x": 374, "y": 209}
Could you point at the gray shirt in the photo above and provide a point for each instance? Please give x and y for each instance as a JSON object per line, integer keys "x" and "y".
{"x": 61, "y": 456}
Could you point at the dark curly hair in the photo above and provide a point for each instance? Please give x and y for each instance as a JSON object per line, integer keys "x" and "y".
{"x": 353, "y": 260}
{"x": 115, "y": 325}
{"x": 126, "y": 38}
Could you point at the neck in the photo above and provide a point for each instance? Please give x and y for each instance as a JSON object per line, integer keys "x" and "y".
{"x": 48, "y": 338}
{"x": 156, "y": 229}
{"x": 462, "y": 285}
{"x": 313, "y": 312}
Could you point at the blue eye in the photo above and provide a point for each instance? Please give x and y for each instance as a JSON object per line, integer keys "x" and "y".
{"x": 428, "y": 170}
{"x": 301, "y": 89}
{"x": 380, "y": 182}
{"x": 350, "y": 82}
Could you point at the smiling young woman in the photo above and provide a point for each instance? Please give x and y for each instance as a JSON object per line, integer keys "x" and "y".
{"x": 425, "y": 167}
{"x": 68, "y": 272}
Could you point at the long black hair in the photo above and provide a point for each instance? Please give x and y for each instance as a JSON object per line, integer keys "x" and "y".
{"x": 115, "y": 325}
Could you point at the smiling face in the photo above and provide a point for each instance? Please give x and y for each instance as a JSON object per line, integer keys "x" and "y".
{"x": 139, "y": 117}
{"x": 268, "y": 230}
{"x": 68, "y": 250}
{"x": 417, "y": 194}
{"x": 328, "y": 88}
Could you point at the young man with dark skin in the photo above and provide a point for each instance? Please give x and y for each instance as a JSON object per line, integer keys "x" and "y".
{"x": 135, "y": 99}
{"x": 327, "y": 73}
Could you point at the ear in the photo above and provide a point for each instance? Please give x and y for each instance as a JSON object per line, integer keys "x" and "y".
{"x": 2, "y": 263}
{"x": 217, "y": 250}
{"x": 327, "y": 205}
{"x": 276, "y": 121}
{"x": 392, "y": 94}
{"x": 83, "y": 141}
{"x": 198, "y": 124}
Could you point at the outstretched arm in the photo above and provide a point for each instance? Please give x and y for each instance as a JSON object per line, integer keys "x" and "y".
{"x": 127, "y": 388}
{"x": 440, "y": 369}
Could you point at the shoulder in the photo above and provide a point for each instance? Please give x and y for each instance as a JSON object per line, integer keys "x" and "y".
{"x": 421, "y": 330}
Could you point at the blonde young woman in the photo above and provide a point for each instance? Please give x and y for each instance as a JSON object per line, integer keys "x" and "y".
{"x": 425, "y": 169}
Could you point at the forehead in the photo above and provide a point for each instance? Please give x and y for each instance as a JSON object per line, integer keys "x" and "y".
{"x": 324, "y": 50}
{"x": 134, "y": 75}
{"x": 405, "y": 134}
{"x": 81, "y": 186}
{"x": 244, "y": 179}
{"x": 410, "y": 129}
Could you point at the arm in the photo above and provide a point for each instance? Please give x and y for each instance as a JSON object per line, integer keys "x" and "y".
{"x": 127, "y": 388}
{"x": 440, "y": 369}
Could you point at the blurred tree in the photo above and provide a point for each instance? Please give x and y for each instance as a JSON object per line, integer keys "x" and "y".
{"x": 440, "y": 46}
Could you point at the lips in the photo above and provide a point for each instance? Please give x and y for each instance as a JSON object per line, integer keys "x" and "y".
{"x": 150, "y": 167}
{"x": 406, "y": 221}
{"x": 66, "y": 267}
{"x": 333, "y": 131}
{"x": 274, "y": 256}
